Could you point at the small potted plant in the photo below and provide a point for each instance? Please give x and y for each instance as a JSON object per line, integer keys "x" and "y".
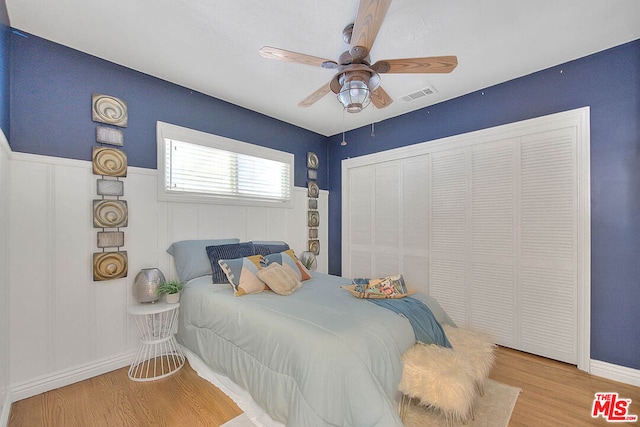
{"x": 171, "y": 291}
{"x": 309, "y": 260}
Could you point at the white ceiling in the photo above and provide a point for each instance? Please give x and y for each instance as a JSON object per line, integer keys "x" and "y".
{"x": 212, "y": 45}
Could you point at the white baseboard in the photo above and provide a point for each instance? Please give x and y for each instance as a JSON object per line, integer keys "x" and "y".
{"x": 615, "y": 372}
{"x": 65, "y": 377}
{"x": 6, "y": 409}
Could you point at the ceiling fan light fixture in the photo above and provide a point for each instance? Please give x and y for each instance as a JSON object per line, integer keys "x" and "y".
{"x": 354, "y": 95}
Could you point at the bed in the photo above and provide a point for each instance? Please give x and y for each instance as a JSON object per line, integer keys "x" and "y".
{"x": 317, "y": 357}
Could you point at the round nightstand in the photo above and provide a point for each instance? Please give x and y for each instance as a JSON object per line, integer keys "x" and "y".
{"x": 158, "y": 353}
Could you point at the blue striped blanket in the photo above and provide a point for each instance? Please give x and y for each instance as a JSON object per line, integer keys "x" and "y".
{"x": 425, "y": 326}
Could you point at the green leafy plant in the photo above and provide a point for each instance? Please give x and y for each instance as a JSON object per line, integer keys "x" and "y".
{"x": 308, "y": 259}
{"x": 170, "y": 287}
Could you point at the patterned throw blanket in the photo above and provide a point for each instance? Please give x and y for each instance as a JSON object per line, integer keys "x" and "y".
{"x": 425, "y": 326}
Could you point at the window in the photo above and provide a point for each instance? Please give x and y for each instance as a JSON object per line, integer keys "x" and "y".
{"x": 194, "y": 166}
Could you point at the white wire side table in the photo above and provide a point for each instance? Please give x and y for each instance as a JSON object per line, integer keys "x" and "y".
{"x": 158, "y": 354}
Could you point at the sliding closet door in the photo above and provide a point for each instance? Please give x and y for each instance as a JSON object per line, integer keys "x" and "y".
{"x": 548, "y": 256}
{"x": 504, "y": 240}
{"x": 360, "y": 238}
{"x": 492, "y": 304}
{"x": 449, "y": 228}
{"x": 389, "y": 233}
{"x": 414, "y": 246}
{"x": 492, "y": 225}
{"x": 386, "y": 219}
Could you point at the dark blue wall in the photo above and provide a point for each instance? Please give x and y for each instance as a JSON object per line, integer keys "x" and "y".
{"x": 5, "y": 31}
{"x": 50, "y": 114}
{"x": 608, "y": 82}
{"x": 51, "y": 87}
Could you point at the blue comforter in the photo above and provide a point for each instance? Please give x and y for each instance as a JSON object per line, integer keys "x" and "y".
{"x": 319, "y": 357}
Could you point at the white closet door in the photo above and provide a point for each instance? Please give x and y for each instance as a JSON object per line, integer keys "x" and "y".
{"x": 494, "y": 225}
{"x": 360, "y": 237}
{"x": 388, "y": 231}
{"x": 449, "y": 259}
{"x": 386, "y": 219}
{"x": 415, "y": 223}
{"x": 548, "y": 269}
{"x": 492, "y": 303}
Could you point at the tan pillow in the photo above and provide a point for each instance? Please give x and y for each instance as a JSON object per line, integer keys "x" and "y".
{"x": 279, "y": 280}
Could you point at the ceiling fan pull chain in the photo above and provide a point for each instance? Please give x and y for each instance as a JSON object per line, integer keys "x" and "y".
{"x": 344, "y": 142}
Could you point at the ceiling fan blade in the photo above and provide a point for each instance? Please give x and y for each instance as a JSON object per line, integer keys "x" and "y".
{"x": 380, "y": 98}
{"x": 298, "y": 58}
{"x": 371, "y": 13}
{"x": 315, "y": 96}
{"x": 432, "y": 64}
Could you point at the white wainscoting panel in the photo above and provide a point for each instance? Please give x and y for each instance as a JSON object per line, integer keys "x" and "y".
{"x": 32, "y": 294}
{"x": 66, "y": 262}
{"x": 5, "y": 394}
{"x": 64, "y": 327}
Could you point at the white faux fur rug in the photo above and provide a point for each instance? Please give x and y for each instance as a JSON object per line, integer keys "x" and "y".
{"x": 491, "y": 410}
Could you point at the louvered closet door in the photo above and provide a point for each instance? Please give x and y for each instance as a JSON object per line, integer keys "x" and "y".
{"x": 449, "y": 234}
{"x": 414, "y": 254}
{"x": 489, "y": 227}
{"x": 386, "y": 219}
{"x": 360, "y": 237}
{"x": 548, "y": 256}
{"x": 473, "y": 239}
{"x": 493, "y": 276}
{"x": 389, "y": 233}
{"x": 374, "y": 220}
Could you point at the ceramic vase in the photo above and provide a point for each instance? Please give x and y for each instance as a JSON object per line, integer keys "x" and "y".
{"x": 145, "y": 285}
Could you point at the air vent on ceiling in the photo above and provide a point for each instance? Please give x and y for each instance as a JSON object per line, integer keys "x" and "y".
{"x": 429, "y": 90}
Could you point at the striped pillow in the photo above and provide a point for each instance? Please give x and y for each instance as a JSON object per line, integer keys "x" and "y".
{"x": 230, "y": 251}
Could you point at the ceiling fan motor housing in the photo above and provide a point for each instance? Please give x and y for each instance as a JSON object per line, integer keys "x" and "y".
{"x": 355, "y": 72}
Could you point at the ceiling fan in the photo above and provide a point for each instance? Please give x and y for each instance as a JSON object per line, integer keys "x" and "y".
{"x": 357, "y": 81}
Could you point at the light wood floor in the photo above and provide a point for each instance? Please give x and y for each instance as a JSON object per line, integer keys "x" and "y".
{"x": 113, "y": 400}
{"x": 553, "y": 394}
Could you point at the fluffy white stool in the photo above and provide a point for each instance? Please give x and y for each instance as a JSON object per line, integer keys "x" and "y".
{"x": 476, "y": 349}
{"x": 438, "y": 377}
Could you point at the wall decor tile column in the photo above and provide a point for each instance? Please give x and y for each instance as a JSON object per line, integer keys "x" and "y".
{"x": 110, "y": 213}
{"x": 313, "y": 216}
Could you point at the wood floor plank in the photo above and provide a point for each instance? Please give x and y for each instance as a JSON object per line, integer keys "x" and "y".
{"x": 112, "y": 399}
{"x": 553, "y": 394}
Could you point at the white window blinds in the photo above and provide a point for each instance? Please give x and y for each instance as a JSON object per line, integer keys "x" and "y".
{"x": 205, "y": 166}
